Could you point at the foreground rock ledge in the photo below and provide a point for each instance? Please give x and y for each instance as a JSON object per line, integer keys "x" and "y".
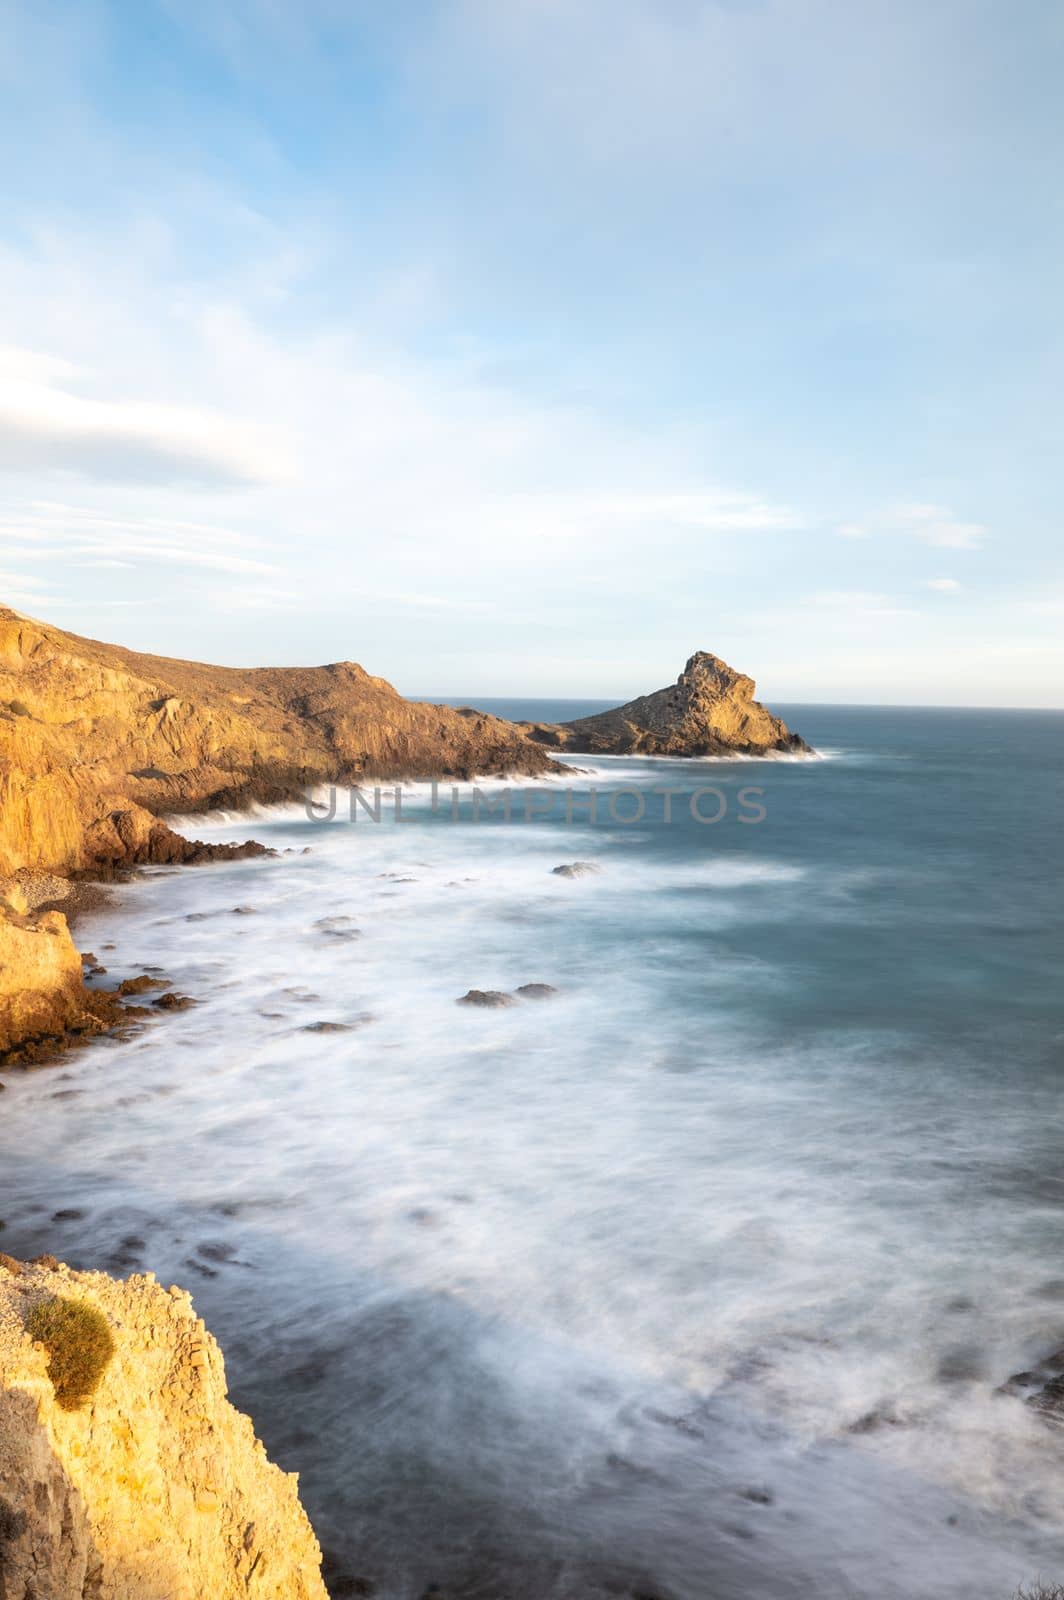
{"x": 158, "y": 1487}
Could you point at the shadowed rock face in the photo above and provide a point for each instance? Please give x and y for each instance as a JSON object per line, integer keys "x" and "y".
{"x": 710, "y": 710}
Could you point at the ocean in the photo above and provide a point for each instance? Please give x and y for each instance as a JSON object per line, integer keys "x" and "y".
{"x": 694, "y": 1280}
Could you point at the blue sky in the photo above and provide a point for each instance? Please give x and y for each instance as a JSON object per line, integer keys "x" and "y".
{"x": 519, "y": 346}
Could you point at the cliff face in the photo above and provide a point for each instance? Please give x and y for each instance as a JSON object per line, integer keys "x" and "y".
{"x": 710, "y": 710}
{"x": 96, "y": 741}
{"x": 41, "y": 988}
{"x": 158, "y": 1488}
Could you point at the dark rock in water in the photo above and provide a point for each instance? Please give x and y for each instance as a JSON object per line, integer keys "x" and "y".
{"x": 963, "y": 1364}
{"x": 486, "y": 997}
{"x": 1042, "y": 1387}
{"x": 68, "y": 1214}
{"x": 203, "y": 1270}
{"x": 872, "y": 1421}
{"x": 362, "y": 1020}
{"x": 759, "y": 1497}
{"x": 197, "y": 916}
{"x": 1051, "y": 1289}
{"x": 536, "y": 991}
{"x": 338, "y": 928}
{"x": 576, "y": 869}
{"x": 139, "y": 985}
{"x": 174, "y": 1002}
{"x": 244, "y": 911}
{"x": 216, "y": 1250}
{"x": 1050, "y": 1400}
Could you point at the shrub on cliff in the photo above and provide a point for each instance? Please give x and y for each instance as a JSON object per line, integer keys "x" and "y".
{"x": 79, "y": 1346}
{"x": 18, "y": 708}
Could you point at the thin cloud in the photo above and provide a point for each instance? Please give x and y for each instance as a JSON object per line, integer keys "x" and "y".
{"x": 46, "y": 427}
{"x": 938, "y": 525}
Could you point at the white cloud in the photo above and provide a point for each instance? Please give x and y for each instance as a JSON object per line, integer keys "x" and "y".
{"x": 47, "y": 427}
{"x": 366, "y": 472}
{"x": 945, "y": 585}
{"x": 938, "y": 525}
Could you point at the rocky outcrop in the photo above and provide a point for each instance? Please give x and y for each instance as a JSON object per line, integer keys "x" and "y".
{"x": 710, "y": 710}
{"x": 43, "y": 998}
{"x": 97, "y": 743}
{"x": 157, "y": 1488}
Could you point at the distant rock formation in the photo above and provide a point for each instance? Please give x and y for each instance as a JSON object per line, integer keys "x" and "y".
{"x": 709, "y": 711}
{"x": 156, "y": 1486}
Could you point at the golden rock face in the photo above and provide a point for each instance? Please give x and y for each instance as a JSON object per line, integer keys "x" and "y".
{"x": 709, "y": 710}
{"x": 91, "y": 733}
{"x": 157, "y": 1488}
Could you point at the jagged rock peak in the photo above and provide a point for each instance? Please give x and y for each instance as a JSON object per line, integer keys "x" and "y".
{"x": 709, "y": 710}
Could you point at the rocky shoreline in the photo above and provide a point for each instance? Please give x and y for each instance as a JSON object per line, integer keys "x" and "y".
{"x": 99, "y": 743}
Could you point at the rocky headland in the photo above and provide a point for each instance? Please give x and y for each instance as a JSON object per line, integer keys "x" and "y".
{"x": 152, "y": 1487}
{"x": 709, "y": 711}
{"x": 98, "y": 743}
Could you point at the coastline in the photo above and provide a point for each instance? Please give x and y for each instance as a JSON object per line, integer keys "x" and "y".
{"x": 284, "y": 1059}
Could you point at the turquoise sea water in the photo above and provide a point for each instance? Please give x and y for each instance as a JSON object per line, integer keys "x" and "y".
{"x": 695, "y": 1280}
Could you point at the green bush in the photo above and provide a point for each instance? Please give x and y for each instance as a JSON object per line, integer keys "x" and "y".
{"x": 18, "y": 708}
{"x": 79, "y": 1346}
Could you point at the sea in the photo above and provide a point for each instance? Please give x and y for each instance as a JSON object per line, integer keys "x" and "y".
{"x": 695, "y": 1278}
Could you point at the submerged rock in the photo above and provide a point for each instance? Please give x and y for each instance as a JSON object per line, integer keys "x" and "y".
{"x": 1042, "y": 1387}
{"x": 536, "y": 991}
{"x": 170, "y": 1001}
{"x": 141, "y": 984}
{"x": 486, "y": 997}
{"x": 576, "y": 869}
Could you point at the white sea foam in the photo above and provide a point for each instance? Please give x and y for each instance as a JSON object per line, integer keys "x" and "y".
{"x": 588, "y": 1214}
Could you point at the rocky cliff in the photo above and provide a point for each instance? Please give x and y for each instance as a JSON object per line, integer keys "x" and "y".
{"x": 98, "y": 742}
{"x": 156, "y": 1488}
{"x": 710, "y": 710}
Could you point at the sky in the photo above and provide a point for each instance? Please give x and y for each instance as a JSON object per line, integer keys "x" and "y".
{"x": 527, "y": 346}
